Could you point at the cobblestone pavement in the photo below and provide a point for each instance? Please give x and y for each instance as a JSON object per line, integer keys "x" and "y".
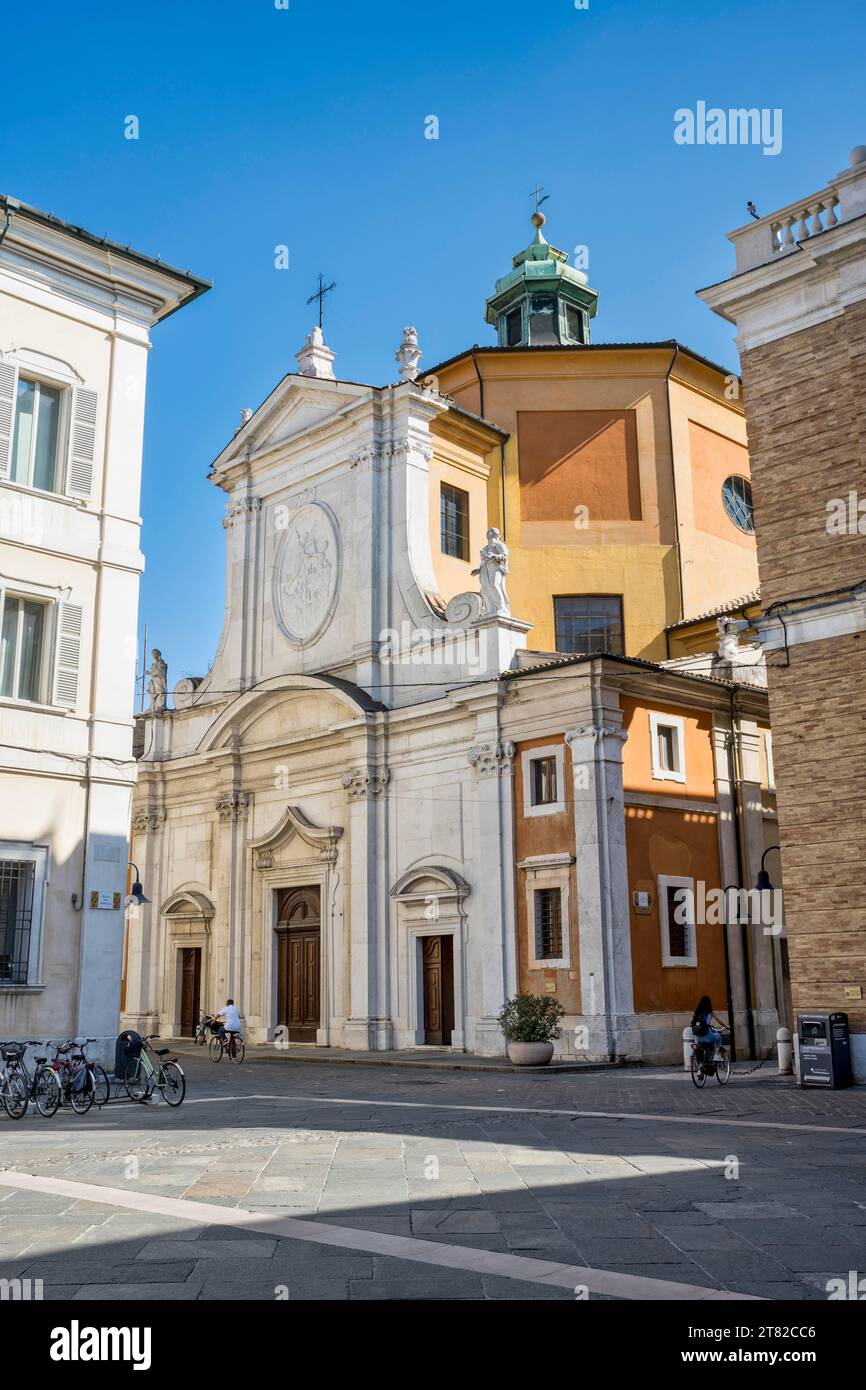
{"x": 445, "y": 1185}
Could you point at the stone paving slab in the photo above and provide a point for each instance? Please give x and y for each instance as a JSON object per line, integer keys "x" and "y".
{"x": 593, "y": 1185}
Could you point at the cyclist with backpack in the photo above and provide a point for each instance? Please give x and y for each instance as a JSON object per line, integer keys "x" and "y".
{"x": 706, "y": 1028}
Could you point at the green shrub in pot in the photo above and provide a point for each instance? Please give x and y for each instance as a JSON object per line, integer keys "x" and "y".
{"x": 531, "y": 1018}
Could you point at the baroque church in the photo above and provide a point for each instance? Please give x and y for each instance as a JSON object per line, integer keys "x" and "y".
{"x": 455, "y": 745}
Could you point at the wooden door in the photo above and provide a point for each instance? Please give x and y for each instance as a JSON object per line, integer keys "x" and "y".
{"x": 299, "y": 963}
{"x": 437, "y": 964}
{"x": 190, "y": 989}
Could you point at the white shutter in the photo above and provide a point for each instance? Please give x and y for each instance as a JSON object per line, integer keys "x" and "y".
{"x": 8, "y": 389}
{"x": 67, "y": 654}
{"x": 82, "y": 443}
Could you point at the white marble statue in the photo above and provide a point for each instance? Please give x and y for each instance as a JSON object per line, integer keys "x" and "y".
{"x": 491, "y": 573}
{"x": 157, "y": 686}
{"x": 728, "y": 645}
{"x": 409, "y": 354}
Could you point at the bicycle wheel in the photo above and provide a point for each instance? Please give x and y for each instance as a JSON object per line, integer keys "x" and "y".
{"x": 238, "y": 1051}
{"x": 101, "y": 1085}
{"x": 216, "y": 1048}
{"x": 136, "y": 1080}
{"x": 699, "y": 1076}
{"x": 723, "y": 1067}
{"x": 46, "y": 1089}
{"x": 82, "y": 1090}
{"x": 172, "y": 1084}
{"x": 15, "y": 1094}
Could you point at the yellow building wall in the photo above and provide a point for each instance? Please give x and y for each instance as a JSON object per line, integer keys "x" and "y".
{"x": 624, "y": 542}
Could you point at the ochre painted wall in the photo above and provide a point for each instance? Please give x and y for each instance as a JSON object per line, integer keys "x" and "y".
{"x": 598, "y": 432}
{"x": 667, "y": 840}
{"x": 550, "y": 834}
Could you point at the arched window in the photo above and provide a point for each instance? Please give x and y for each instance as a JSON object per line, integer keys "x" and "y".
{"x": 737, "y": 501}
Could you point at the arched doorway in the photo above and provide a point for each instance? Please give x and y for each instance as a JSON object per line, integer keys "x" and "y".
{"x": 299, "y": 933}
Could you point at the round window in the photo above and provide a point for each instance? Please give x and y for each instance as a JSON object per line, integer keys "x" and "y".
{"x": 737, "y": 499}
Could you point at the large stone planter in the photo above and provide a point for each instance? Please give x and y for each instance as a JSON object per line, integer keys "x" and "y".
{"x": 530, "y": 1054}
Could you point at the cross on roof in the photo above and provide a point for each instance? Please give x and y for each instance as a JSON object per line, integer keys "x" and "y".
{"x": 536, "y": 192}
{"x": 320, "y": 295}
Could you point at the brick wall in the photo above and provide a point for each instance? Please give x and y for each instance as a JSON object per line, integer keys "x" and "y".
{"x": 805, "y": 398}
{"x": 818, "y": 718}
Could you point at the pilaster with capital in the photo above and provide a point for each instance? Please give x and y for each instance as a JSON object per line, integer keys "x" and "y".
{"x": 368, "y": 1027}
{"x": 233, "y": 808}
{"x": 492, "y": 943}
{"x": 604, "y": 929}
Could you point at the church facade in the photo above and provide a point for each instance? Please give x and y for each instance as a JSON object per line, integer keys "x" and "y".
{"x": 384, "y": 810}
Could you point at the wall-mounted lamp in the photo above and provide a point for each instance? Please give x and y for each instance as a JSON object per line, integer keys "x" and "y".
{"x": 136, "y": 898}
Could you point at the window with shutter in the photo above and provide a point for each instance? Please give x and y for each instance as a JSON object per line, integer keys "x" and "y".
{"x": 82, "y": 443}
{"x": 8, "y": 386}
{"x": 69, "y": 623}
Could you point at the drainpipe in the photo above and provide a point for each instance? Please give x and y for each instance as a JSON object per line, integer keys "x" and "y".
{"x": 744, "y": 926}
{"x": 674, "y": 482}
{"x": 12, "y": 205}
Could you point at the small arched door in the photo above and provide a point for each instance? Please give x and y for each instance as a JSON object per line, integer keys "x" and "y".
{"x": 299, "y": 933}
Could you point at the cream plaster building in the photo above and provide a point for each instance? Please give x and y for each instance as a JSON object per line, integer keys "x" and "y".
{"x": 75, "y": 317}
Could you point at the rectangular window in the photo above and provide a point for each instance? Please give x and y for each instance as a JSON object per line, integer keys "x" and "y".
{"x": 667, "y": 747}
{"x": 17, "y": 882}
{"x": 543, "y": 781}
{"x": 454, "y": 517}
{"x": 22, "y": 649}
{"x": 548, "y": 924}
{"x": 514, "y": 327}
{"x": 574, "y": 323}
{"x": 36, "y": 439}
{"x": 589, "y": 624}
{"x": 677, "y": 921}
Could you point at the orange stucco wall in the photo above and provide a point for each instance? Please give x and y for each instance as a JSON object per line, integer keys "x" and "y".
{"x": 666, "y": 840}
{"x": 550, "y": 834}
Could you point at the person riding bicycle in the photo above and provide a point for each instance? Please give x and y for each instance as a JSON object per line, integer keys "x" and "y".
{"x": 228, "y": 1019}
{"x": 707, "y": 1029}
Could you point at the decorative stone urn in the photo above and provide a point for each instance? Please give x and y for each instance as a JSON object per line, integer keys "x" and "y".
{"x": 530, "y": 1054}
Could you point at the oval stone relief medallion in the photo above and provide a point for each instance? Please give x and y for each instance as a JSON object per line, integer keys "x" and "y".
{"x": 307, "y": 573}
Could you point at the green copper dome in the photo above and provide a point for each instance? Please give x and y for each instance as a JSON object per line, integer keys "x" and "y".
{"x": 543, "y": 301}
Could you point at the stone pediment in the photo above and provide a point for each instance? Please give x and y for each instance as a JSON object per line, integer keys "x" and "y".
{"x": 296, "y": 406}
{"x": 294, "y": 822}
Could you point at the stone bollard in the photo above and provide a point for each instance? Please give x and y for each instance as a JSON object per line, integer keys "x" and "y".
{"x": 785, "y": 1048}
{"x": 688, "y": 1039}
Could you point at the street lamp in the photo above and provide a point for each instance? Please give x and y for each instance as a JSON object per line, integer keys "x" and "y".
{"x": 136, "y": 898}
{"x": 764, "y": 883}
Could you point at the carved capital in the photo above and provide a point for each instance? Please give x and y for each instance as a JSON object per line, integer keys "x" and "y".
{"x": 596, "y": 732}
{"x": 404, "y": 448}
{"x": 232, "y": 804}
{"x": 365, "y": 454}
{"x": 241, "y": 508}
{"x": 366, "y": 783}
{"x": 492, "y": 759}
{"x": 147, "y": 821}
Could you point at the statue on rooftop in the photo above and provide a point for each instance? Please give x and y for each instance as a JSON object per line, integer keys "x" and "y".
{"x": 491, "y": 572}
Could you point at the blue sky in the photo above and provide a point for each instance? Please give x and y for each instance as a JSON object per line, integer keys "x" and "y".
{"x": 305, "y": 127}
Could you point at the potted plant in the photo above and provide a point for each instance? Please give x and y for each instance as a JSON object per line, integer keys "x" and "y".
{"x": 529, "y": 1023}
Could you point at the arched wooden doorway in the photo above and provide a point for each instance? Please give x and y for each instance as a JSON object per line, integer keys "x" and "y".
{"x": 299, "y": 932}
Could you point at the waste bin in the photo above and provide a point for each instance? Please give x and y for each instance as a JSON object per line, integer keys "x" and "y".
{"x": 825, "y": 1050}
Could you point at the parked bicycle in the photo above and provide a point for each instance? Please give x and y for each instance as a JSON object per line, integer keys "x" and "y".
{"x": 149, "y": 1072}
{"x": 80, "y": 1080}
{"x": 230, "y": 1044}
{"x": 18, "y": 1088}
{"x": 705, "y": 1063}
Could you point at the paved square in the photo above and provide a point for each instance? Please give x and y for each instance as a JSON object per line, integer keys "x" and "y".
{"x": 283, "y": 1179}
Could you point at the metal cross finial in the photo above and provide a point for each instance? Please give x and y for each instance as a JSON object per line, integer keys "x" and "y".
{"x": 320, "y": 295}
{"x": 536, "y": 192}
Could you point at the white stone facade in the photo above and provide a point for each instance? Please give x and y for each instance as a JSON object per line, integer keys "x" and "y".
{"x": 75, "y": 318}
